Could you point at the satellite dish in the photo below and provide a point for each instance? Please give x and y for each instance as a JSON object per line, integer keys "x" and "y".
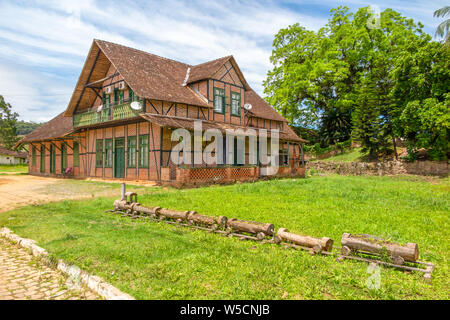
{"x": 135, "y": 105}
{"x": 100, "y": 108}
{"x": 247, "y": 106}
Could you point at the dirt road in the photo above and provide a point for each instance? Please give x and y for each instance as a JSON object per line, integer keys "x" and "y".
{"x": 21, "y": 190}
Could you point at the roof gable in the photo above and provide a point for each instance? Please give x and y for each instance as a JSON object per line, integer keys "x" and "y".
{"x": 58, "y": 127}
{"x": 150, "y": 76}
{"x": 213, "y": 70}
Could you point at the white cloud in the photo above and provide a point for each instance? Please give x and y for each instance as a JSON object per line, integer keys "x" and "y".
{"x": 47, "y": 41}
{"x": 29, "y": 93}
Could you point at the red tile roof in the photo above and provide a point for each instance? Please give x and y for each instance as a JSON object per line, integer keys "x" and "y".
{"x": 188, "y": 123}
{"x": 149, "y": 75}
{"x": 56, "y": 128}
{"x": 260, "y": 108}
{"x": 12, "y": 153}
{"x": 206, "y": 70}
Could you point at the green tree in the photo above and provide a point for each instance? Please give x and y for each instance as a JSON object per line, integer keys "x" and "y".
{"x": 8, "y": 120}
{"x": 442, "y": 29}
{"x": 24, "y": 127}
{"x": 335, "y": 126}
{"x": 369, "y": 127}
{"x": 320, "y": 77}
{"x": 422, "y": 99}
{"x": 315, "y": 72}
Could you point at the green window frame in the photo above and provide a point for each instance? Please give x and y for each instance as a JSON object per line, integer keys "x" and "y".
{"x": 108, "y": 153}
{"x": 116, "y": 96}
{"x": 76, "y": 154}
{"x": 121, "y": 100}
{"x": 106, "y": 112}
{"x": 33, "y": 156}
{"x": 143, "y": 151}
{"x": 235, "y": 104}
{"x": 219, "y": 100}
{"x": 131, "y": 152}
{"x": 42, "y": 163}
{"x": 106, "y": 100}
{"x": 99, "y": 153}
{"x": 63, "y": 157}
{"x": 52, "y": 158}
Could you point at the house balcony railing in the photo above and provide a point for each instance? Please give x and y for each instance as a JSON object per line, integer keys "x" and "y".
{"x": 107, "y": 113}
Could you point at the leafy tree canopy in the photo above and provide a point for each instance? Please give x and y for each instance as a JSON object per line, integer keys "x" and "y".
{"x": 8, "y": 120}
{"x": 356, "y": 75}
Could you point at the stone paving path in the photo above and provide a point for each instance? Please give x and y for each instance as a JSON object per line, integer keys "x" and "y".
{"x": 23, "y": 277}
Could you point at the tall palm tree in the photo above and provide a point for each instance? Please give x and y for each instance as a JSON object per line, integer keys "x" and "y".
{"x": 442, "y": 29}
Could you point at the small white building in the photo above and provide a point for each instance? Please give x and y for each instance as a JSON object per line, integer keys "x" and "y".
{"x": 12, "y": 157}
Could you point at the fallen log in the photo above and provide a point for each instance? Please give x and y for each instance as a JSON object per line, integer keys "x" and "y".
{"x": 147, "y": 211}
{"x": 318, "y": 244}
{"x": 196, "y": 218}
{"x": 408, "y": 252}
{"x": 173, "y": 214}
{"x": 250, "y": 226}
{"x": 121, "y": 205}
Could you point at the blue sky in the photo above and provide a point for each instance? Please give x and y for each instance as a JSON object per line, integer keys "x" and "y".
{"x": 43, "y": 44}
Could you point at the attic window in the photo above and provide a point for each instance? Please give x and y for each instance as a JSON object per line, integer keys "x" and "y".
{"x": 235, "y": 104}
{"x": 219, "y": 100}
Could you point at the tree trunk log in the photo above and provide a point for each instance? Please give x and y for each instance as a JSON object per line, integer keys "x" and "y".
{"x": 206, "y": 220}
{"x": 250, "y": 226}
{"x": 409, "y": 252}
{"x": 326, "y": 244}
{"x": 173, "y": 214}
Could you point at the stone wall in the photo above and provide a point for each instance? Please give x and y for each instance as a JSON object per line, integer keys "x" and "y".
{"x": 429, "y": 168}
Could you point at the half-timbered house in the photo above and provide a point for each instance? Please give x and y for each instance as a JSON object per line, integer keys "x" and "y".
{"x": 102, "y": 134}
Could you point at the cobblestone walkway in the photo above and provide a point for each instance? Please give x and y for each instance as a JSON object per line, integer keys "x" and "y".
{"x": 22, "y": 277}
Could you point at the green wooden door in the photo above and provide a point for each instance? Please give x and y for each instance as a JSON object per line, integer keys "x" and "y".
{"x": 119, "y": 158}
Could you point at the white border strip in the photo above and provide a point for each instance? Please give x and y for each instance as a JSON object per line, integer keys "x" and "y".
{"x": 96, "y": 284}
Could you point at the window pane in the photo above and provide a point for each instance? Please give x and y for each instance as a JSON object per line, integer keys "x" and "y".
{"x": 108, "y": 153}
{"x": 131, "y": 152}
{"x": 143, "y": 151}
{"x": 235, "y": 103}
{"x": 219, "y": 97}
{"x": 99, "y": 153}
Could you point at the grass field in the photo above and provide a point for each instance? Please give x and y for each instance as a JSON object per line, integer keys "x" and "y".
{"x": 354, "y": 154}
{"x": 19, "y": 168}
{"x": 158, "y": 261}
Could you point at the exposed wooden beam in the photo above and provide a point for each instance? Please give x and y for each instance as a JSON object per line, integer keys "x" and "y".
{"x": 102, "y": 80}
{"x": 96, "y": 92}
{"x": 87, "y": 81}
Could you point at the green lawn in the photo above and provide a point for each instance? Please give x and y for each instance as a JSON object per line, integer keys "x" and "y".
{"x": 158, "y": 261}
{"x": 19, "y": 168}
{"x": 348, "y": 156}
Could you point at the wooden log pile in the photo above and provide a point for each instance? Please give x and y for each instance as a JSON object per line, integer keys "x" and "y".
{"x": 260, "y": 229}
{"x": 317, "y": 244}
{"x": 253, "y": 230}
{"x": 366, "y": 243}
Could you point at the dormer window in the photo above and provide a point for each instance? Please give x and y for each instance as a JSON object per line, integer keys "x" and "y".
{"x": 219, "y": 100}
{"x": 235, "y": 104}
